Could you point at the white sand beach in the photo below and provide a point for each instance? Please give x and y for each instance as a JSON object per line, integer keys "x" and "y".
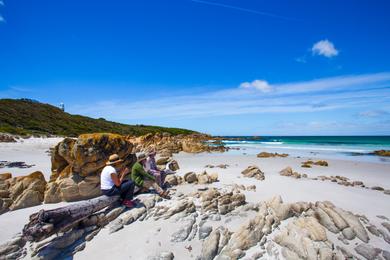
{"x": 142, "y": 238}
{"x": 32, "y": 151}
{"x": 149, "y": 237}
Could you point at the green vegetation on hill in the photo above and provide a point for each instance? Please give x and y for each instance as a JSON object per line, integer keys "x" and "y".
{"x": 26, "y": 117}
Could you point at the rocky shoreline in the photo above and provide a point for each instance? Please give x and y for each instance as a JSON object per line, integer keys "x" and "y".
{"x": 213, "y": 214}
{"x": 272, "y": 228}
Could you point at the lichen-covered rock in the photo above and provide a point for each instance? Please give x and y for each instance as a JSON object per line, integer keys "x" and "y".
{"x": 321, "y": 163}
{"x": 382, "y": 152}
{"x": 166, "y": 144}
{"x": 288, "y": 171}
{"x": 306, "y": 165}
{"x": 271, "y": 155}
{"x": 77, "y": 163}
{"x": 5, "y": 176}
{"x": 253, "y": 172}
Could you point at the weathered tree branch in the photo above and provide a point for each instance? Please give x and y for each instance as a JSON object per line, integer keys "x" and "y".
{"x": 48, "y": 222}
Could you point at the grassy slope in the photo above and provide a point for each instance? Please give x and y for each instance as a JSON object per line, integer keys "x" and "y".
{"x": 25, "y": 117}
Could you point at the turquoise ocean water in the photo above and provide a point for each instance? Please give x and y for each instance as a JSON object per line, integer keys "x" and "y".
{"x": 344, "y": 147}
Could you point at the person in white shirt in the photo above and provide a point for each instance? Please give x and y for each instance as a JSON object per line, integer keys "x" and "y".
{"x": 112, "y": 183}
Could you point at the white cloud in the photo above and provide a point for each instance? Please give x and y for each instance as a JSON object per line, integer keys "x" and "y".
{"x": 2, "y": 19}
{"x": 324, "y": 48}
{"x": 333, "y": 83}
{"x": 261, "y": 85}
{"x": 1, "y": 2}
{"x": 325, "y": 94}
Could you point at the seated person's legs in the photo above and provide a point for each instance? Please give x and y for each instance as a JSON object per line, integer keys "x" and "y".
{"x": 149, "y": 183}
{"x": 157, "y": 174}
{"x": 127, "y": 190}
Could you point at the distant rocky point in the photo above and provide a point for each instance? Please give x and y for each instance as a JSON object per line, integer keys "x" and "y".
{"x": 382, "y": 153}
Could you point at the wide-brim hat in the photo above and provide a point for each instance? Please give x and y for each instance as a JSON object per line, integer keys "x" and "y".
{"x": 114, "y": 159}
{"x": 141, "y": 157}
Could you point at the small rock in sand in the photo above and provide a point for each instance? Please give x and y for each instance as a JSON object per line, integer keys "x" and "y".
{"x": 163, "y": 161}
{"x": 367, "y": 251}
{"x": 162, "y": 256}
{"x": 377, "y": 188}
{"x": 190, "y": 177}
{"x": 253, "y": 172}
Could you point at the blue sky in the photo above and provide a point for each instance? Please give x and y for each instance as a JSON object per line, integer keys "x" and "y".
{"x": 223, "y": 67}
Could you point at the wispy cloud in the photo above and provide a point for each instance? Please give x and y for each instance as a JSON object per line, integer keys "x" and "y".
{"x": 324, "y": 48}
{"x": 301, "y": 59}
{"x": 374, "y": 113}
{"x": 243, "y": 9}
{"x": 295, "y": 97}
{"x": 260, "y": 85}
{"x": 2, "y": 20}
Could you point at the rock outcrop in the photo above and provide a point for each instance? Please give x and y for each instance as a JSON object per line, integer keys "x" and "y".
{"x": 76, "y": 165}
{"x": 192, "y": 178}
{"x": 166, "y": 144}
{"x": 304, "y": 234}
{"x": 382, "y": 153}
{"x": 269, "y": 229}
{"x": 271, "y": 155}
{"x": 309, "y": 163}
{"x": 341, "y": 180}
{"x": 7, "y": 138}
{"x": 21, "y": 192}
{"x": 215, "y": 202}
{"x": 253, "y": 172}
{"x": 288, "y": 171}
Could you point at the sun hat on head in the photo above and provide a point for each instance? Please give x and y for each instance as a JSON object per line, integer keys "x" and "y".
{"x": 151, "y": 152}
{"x": 113, "y": 159}
{"x": 141, "y": 157}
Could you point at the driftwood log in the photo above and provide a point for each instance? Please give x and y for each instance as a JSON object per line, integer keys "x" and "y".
{"x": 48, "y": 222}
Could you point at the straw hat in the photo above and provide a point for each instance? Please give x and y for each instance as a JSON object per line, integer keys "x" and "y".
{"x": 113, "y": 159}
{"x": 141, "y": 157}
